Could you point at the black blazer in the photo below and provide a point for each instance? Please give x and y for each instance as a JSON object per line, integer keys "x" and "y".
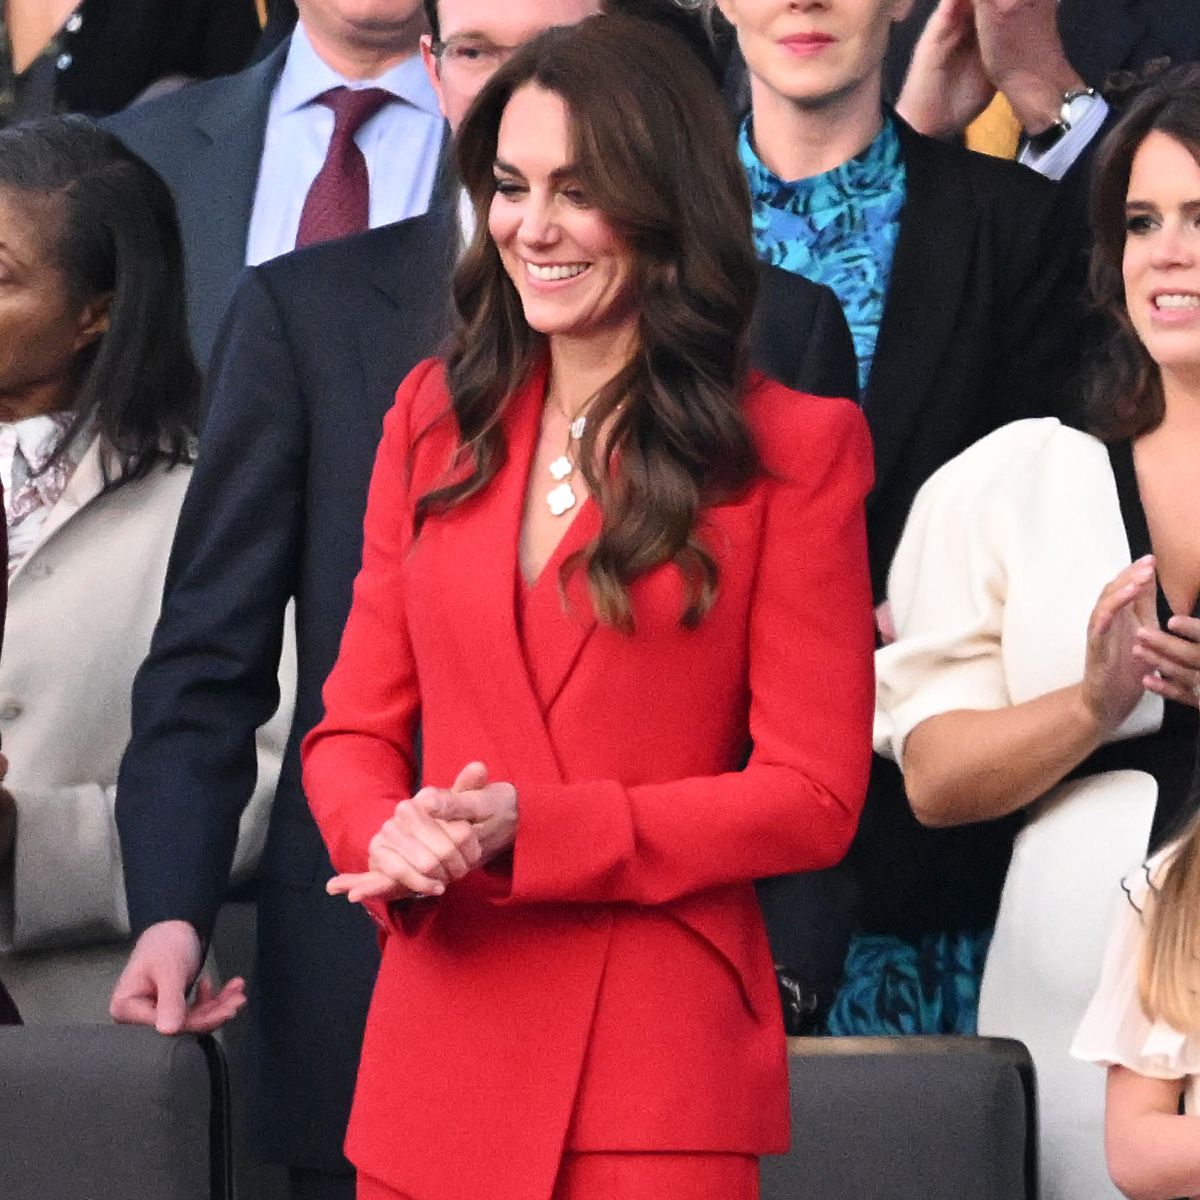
{"x": 1102, "y": 36}
{"x": 982, "y": 325}
{"x": 305, "y": 368}
{"x": 118, "y": 48}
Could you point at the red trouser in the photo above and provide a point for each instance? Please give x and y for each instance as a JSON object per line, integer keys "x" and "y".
{"x": 632, "y": 1176}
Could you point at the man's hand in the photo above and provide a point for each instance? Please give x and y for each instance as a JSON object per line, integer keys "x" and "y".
{"x": 153, "y": 988}
{"x": 1024, "y": 57}
{"x": 946, "y": 87}
{"x": 8, "y": 815}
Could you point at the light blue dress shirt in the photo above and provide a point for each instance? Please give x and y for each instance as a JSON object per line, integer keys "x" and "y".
{"x": 401, "y": 144}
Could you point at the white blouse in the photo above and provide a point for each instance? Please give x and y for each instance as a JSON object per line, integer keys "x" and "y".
{"x": 1003, "y": 558}
{"x": 1006, "y": 550}
{"x": 1115, "y": 1030}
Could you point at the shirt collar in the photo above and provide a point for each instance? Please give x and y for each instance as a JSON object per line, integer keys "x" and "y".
{"x": 871, "y": 170}
{"x": 306, "y": 76}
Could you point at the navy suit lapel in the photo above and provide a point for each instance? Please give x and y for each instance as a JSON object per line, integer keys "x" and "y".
{"x": 932, "y": 263}
{"x": 230, "y": 127}
{"x": 410, "y": 265}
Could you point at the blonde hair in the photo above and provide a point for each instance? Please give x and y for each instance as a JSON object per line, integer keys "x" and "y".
{"x": 1169, "y": 973}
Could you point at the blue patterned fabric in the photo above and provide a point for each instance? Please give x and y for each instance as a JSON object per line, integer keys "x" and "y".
{"x": 895, "y": 987}
{"x": 838, "y": 228}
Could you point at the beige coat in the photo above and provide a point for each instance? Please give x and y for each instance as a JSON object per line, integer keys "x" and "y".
{"x": 82, "y": 607}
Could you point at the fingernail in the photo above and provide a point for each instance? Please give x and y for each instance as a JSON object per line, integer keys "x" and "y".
{"x": 439, "y": 888}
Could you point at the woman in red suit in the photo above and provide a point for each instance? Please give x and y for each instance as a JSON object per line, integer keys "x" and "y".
{"x": 602, "y": 562}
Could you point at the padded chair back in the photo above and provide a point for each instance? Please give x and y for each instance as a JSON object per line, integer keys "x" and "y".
{"x": 920, "y": 1118}
{"x": 96, "y": 1112}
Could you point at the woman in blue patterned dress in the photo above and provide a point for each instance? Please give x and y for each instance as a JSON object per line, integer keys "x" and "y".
{"x": 962, "y": 287}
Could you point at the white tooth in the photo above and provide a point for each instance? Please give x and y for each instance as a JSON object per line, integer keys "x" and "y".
{"x": 548, "y": 274}
{"x": 1177, "y": 301}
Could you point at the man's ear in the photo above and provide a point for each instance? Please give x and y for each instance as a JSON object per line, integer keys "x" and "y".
{"x": 94, "y": 320}
{"x": 432, "y": 68}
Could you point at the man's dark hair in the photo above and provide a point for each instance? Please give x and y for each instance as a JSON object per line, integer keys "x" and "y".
{"x": 431, "y": 13}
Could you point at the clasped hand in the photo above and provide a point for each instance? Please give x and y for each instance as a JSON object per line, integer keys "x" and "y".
{"x": 434, "y": 839}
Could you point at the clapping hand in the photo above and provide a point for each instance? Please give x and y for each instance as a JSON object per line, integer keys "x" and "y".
{"x": 431, "y": 840}
{"x": 1173, "y": 658}
{"x": 946, "y": 86}
{"x": 1115, "y": 676}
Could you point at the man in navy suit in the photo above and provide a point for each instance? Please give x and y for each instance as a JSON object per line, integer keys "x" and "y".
{"x": 241, "y": 152}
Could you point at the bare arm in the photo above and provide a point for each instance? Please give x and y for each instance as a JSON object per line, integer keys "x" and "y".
{"x": 964, "y": 766}
{"x": 1153, "y": 1152}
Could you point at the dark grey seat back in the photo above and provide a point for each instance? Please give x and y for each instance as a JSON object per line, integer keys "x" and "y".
{"x": 922, "y": 1118}
{"x": 97, "y": 1112}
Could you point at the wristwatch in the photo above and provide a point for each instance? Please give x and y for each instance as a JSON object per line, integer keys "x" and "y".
{"x": 1074, "y": 104}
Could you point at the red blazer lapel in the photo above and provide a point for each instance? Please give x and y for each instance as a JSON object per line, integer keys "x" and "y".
{"x": 559, "y": 623}
{"x": 470, "y": 562}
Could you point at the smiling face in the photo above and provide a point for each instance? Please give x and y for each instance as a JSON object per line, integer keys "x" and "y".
{"x": 42, "y": 329}
{"x": 815, "y": 52}
{"x": 478, "y": 36}
{"x": 572, "y": 270}
{"x": 1161, "y": 264}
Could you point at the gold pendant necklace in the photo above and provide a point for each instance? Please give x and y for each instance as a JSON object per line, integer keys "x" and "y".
{"x": 561, "y": 497}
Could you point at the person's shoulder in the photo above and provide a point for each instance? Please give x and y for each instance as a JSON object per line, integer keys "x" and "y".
{"x": 1034, "y": 438}
{"x": 793, "y": 429}
{"x": 149, "y": 122}
{"x": 422, "y": 397}
{"x": 988, "y": 177}
{"x": 166, "y": 112}
{"x": 1015, "y": 462}
{"x": 390, "y": 249}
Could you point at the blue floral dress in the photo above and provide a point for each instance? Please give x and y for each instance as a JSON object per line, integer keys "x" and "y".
{"x": 840, "y": 229}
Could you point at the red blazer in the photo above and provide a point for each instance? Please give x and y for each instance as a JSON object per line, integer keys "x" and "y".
{"x": 614, "y": 990}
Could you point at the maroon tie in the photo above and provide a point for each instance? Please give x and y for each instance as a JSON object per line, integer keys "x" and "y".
{"x": 337, "y": 204}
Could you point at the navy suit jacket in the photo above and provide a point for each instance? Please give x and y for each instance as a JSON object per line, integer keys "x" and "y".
{"x": 306, "y": 366}
{"x": 206, "y": 141}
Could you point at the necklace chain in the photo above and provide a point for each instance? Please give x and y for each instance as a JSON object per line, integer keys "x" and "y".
{"x": 561, "y": 498}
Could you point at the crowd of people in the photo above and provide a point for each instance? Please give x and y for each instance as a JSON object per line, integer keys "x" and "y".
{"x": 476, "y": 471}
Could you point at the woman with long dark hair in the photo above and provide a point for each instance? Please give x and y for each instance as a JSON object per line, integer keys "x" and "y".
{"x": 97, "y": 405}
{"x": 1047, "y": 601}
{"x": 602, "y": 562}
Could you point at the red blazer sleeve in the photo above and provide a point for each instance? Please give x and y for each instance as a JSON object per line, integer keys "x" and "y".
{"x": 380, "y": 708}
{"x": 796, "y": 804}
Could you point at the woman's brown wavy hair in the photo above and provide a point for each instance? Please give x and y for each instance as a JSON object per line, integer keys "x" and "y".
{"x": 1124, "y": 388}
{"x": 656, "y": 157}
